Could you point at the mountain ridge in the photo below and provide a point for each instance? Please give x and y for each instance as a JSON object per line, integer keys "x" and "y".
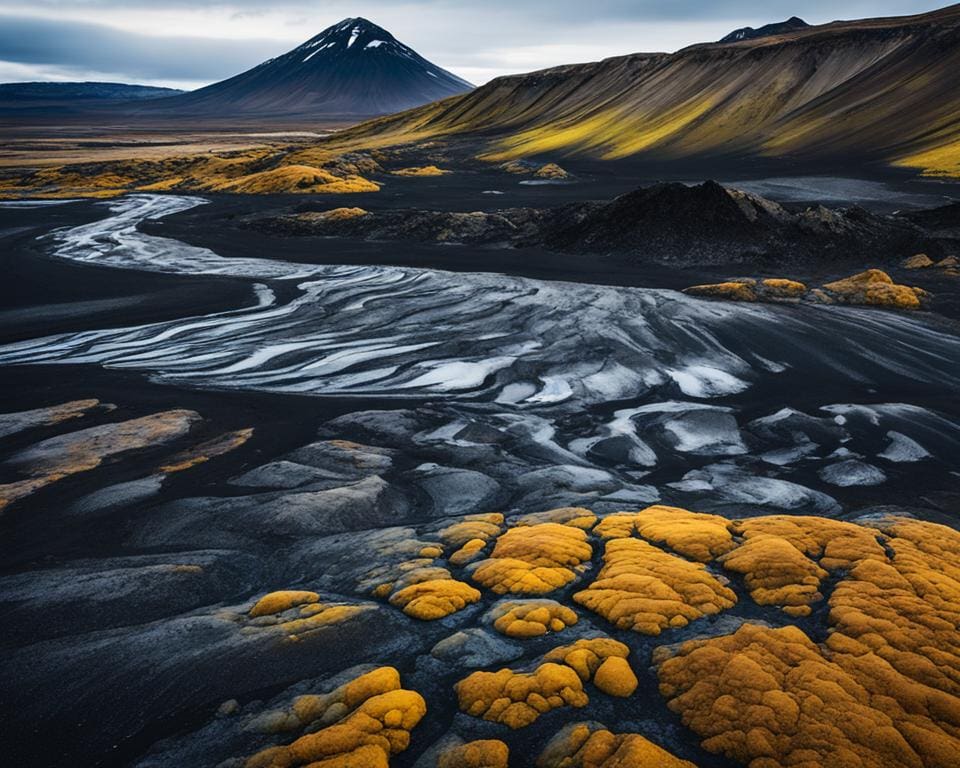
{"x": 353, "y": 67}
{"x": 874, "y": 90}
{"x": 776, "y": 28}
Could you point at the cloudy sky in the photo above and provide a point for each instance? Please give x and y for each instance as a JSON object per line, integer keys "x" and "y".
{"x": 188, "y": 43}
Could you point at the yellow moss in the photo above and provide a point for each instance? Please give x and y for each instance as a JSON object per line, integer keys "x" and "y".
{"x": 531, "y": 618}
{"x": 374, "y": 723}
{"x": 205, "y": 451}
{"x": 277, "y": 602}
{"x": 430, "y": 551}
{"x": 469, "y": 552}
{"x": 516, "y": 699}
{"x": 56, "y": 458}
{"x": 695, "y": 535}
{"x": 427, "y": 170}
{"x": 534, "y": 560}
{"x": 731, "y": 291}
{"x": 781, "y": 288}
{"x": 342, "y": 214}
{"x": 586, "y": 656}
{"x": 884, "y": 687}
{"x": 777, "y": 573}
{"x": 589, "y": 745}
{"x": 483, "y": 527}
{"x": 487, "y": 753}
{"x": 615, "y": 677}
{"x": 917, "y": 261}
{"x": 434, "y": 599}
{"x": 578, "y": 517}
{"x": 320, "y": 616}
{"x": 874, "y": 288}
{"x": 551, "y": 171}
{"x": 647, "y": 590}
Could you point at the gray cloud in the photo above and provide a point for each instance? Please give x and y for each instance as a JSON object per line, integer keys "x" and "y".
{"x": 99, "y": 48}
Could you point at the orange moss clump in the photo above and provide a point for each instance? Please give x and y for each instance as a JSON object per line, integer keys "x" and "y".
{"x": 578, "y": 517}
{"x": 552, "y": 171}
{"x": 534, "y": 559}
{"x": 731, "y": 291}
{"x": 777, "y": 573}
{"x": 469, "y": 552}
{"x": 435, "y": 598}
{"x": 781, "y": 288}
{"x": 917, "y": 261}
{"x": 483, "y": 527}
{"x": 374, "y": 726}
{"x": 695, "y": 535}
{"x": 341, "y": 214}
{"x": 874, "y": 288}
{"x": 426, "y": 170}
{"x": 487, "y": 753}
{"x": 615, "y": 677}
{"x": 884, "y": 687}
{"x": 295, "y": 178}
{"x": 590, "y": 745}
{"x": 648, "y": 590}
{"x": 769, "y": 697}
{"x": 836, "y": 544}
{"x": 277, "y": 602}
{"x": 531, "y": 618}
{"x": 517, "y": 699}
{"x": 586, "y": 656}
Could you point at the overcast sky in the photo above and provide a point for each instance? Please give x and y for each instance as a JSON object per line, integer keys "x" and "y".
{"x": 188, "y": 43}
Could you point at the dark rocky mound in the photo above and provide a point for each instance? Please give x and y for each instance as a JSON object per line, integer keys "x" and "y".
{"x": 777, "y": 28}
{"x": 670, "y": 223}
{"x": 709, "y": 224}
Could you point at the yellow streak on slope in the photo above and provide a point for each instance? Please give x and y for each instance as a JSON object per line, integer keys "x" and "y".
{"x": 614, "y": 132}
{"x": 936, "y": 161}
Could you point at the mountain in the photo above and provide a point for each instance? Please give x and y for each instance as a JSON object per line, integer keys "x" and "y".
{"x": 749, "y": 33}
{"x": 876, "y": 90}
{"x": 353, "y": 68}
{"x": 35, "y": 93}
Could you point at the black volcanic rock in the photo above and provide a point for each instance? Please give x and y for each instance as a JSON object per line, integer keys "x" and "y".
{"x": 710, "y": 224}
{"x": 353, "y": 68}
{"x": 670, "y": 223}
{"x": 778, "y": 28}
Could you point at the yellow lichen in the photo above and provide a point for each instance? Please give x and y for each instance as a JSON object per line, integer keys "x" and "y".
{"x": 487, "y": 753}
{"x": 434, "y": 599}
{"x": 517, "y": 699}
{"x": 782, "y": 288}
{"x": 648, "y": 590}
{"x": 695, "y": 535}
{"x": 731, "y": 291}
{"x": 207, "y": 450}
{"x": 426, "y": 170}
{"x": 277, "y": 602}
{"x": 777, "y": 573}
{"x": 615, "y": 677}
{"x": 534, "y": 560}
{"x": 917, "y": 261}
{"x": 874, "y": 288}
{"x": 531, "y": 618}
{"x": 589, "y": 745}
{"x": 578, "y": 517}
{"x": 374, "y": 725}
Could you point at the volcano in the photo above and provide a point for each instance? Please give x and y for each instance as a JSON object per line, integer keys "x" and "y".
{"x": 352, "y": 69}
